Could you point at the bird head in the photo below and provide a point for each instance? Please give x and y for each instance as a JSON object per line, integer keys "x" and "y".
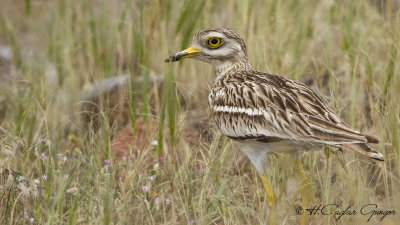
{"x": 219, "y": 47}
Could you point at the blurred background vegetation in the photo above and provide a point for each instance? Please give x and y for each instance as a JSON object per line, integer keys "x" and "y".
{"x": 96, "y": 129}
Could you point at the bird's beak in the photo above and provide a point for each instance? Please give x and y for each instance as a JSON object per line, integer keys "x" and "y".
{"x": 187, "y": 53}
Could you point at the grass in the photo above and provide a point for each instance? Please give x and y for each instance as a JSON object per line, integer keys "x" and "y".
{"x": 349, "y": 48}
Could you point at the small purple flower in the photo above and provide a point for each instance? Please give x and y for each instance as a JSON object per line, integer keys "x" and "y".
{"x": 107, "y": 164}
{"x": 145, "y": 188}
{"x": 157, "y": 203}
{"x": 191, "y": 221}
{"x": 43, "y": 156}
{"x": 41, "y": 118}
{"x": 66, "y": 176}
{"x": 44, "y": 177}
{"x": 39, "y": 140}
{"x": 133, "y": 156}
{"x": 151, "y": 178}
{"x": 162, "y": 158}
{"x": 167, "y": 201}
{"x": 28, "y": 217}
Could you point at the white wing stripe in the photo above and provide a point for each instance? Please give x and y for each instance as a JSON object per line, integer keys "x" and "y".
{"x": 232, "y": 109}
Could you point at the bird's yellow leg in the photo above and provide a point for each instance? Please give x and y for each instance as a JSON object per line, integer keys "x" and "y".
{"x": 305, "y": 185}
{"x": 271, "y": 198}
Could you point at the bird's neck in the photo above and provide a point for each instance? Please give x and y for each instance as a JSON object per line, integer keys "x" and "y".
{"x": 228, "y": 68}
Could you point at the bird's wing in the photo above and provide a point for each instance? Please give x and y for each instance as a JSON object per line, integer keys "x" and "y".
{"x": 258, "y": 106}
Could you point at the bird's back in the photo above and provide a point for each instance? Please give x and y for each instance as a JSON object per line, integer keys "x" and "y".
{"x": 250, "y": 105}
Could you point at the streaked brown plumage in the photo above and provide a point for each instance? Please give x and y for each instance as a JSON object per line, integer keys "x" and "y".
{"x": 267, "y": 113}
{"x": 251, "y": 106}
{"x": 280, "y": 108}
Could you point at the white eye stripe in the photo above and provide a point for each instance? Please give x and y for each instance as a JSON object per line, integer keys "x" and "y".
{"x": 215, "y": 34}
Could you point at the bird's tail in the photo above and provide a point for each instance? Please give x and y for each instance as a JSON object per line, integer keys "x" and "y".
{"x": 364, "y": 149}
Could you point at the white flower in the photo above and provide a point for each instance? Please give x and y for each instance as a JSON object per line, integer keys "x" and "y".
{"x": 154, "y": 143}
{"x": 72, "y": 190}
{"x": 24, "y": 189}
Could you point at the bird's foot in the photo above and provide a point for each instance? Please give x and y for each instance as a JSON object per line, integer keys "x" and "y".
{"x": 271, "y": 198}
{"x": 305, "y": 187}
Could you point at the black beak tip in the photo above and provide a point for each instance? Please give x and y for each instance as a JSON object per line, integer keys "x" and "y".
{"x": 172, "y": 58}
{"x": 175, "y": 57}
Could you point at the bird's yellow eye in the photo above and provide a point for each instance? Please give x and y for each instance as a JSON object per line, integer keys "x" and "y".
{"x": 214, "y": 42}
